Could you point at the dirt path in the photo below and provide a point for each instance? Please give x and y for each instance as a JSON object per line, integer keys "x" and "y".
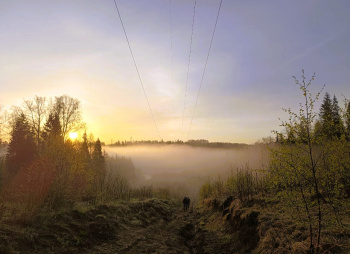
{"x": 177, "y": 232}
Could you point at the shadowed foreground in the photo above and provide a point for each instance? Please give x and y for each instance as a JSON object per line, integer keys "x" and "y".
{"x": 159, "y": 226}
{"x": 151, "y": 226}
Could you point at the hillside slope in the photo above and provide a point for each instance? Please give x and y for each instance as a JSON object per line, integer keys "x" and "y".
{"x": 160, "y": 226}
{"x": 150, "y": 226}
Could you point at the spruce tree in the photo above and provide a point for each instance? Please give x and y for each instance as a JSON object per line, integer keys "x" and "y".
{"x": 337, "y": 123}
{"x": 326, "y": 116}
{"x": 84, "y": 153}
{"x": 97, "y": 156}
{"x": 347, "y": 119}
{"x": 52, "y": 134}
{"x": 98, "y": 164}
{"x": 52, "y": 145}
{"x": 22, "y": 148}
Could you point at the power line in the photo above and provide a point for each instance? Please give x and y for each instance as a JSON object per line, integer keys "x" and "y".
{"x": 205, "y": 67}
{"x": 172, "y": 53}
{"x": 188, "y": 65}
{"x": 137, "y": 70}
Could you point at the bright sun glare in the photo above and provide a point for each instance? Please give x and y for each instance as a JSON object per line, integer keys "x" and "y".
{"x": 73, "y": 135}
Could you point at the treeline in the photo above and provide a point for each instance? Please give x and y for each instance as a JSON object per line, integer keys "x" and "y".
{"x": 44, "y": 169}
{"x": 191, "y": 142}
{"x": 309, "y": 169}
{"x": 42, "y": 166}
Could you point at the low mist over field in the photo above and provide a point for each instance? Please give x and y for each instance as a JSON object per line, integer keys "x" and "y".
{"x": 186, "y": 165}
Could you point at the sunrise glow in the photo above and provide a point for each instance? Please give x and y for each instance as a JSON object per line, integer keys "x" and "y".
{"x": 73, "y": 135}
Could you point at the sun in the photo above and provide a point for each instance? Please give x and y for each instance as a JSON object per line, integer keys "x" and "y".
{"x": 73, "y": 135}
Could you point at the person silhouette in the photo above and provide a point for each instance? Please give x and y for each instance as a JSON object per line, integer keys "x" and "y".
{"x": 186, "y": 201}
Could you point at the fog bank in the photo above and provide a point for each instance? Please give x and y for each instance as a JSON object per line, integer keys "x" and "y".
{"x": 187, "y": 160}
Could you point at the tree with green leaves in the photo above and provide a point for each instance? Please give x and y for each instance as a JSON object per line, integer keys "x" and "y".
{"x": 311, "y": 174}
{"x": 294, "y": 165}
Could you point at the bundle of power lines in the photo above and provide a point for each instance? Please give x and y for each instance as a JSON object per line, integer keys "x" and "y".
{"x": 188, "y": 64}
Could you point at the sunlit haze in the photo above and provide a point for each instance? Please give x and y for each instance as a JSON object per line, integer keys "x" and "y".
{"x": 78, "y": 48}
{"x": 73, "y": 135}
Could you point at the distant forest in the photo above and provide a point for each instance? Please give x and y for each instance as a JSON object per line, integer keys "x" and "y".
{"x": 191, "y": 142}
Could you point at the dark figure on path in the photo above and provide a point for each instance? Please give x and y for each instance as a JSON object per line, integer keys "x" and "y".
{"x": 186, "y": 201}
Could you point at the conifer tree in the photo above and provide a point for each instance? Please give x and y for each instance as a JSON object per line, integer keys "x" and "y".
{"x": 52, "y": 129}
{"x": 326, "y": 116}
{"x": 84, "y": 153}
{"x": 347, "y": 119}
{"x": 22, "y": 149}
{"x": 52, "y": 144}
{"x": 97, "y": 156}
{"x": 98, "y": 164}
{"x": 338, "y": 127}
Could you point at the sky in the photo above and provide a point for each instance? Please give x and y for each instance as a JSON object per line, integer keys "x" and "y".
{"x": 78, "y": 48}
